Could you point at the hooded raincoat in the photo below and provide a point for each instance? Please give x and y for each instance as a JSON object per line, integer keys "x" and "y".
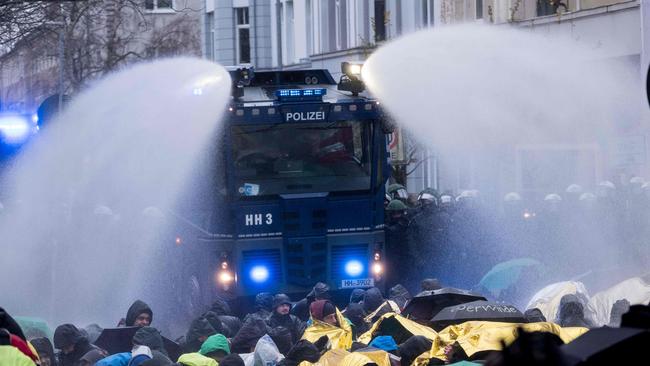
{"x": 200, "y": 327}
{"x": 137, "y": 308}
{"x": 340, "y": 337}
{"x": 635, "y": 290}
{"x": 10, "y": 355}
{"x": 196, "y": 359}
{"x": 150, "y": 337}
{"x": 295, "y": 326}
{"x": 230, "y": 324}
{"x": 66, "y": 335}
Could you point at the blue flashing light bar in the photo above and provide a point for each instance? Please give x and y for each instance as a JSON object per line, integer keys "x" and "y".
{"x": 300, "y": 94}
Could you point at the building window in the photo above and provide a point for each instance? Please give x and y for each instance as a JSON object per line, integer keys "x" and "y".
{"x": 427, "y": 13}
{"x": 379, "y": 22}
{"x": 242, "y": 36}
{"x": 209, "y": 36}
{"x": 155, "y": 5}
{"x": 546, "y": 7}
{"x": 479, "y": 9}
{"x": 341, "y": 24}
{"x": 287, "y": 26}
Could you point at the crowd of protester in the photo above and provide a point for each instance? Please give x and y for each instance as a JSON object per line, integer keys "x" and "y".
{"x": 312, "y": 330}
{"x": 438, "y": 235}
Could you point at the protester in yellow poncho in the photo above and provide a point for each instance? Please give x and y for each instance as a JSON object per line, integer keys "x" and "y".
{"x": 327, "y": 320}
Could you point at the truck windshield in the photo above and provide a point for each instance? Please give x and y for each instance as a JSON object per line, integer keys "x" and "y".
{"x": 301, "y": 158}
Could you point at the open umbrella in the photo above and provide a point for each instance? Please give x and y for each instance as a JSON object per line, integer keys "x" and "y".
{"x": 117, "y": 340}
{"x": 34, "y": 327}
{"x": 506, "y": 274}
{"x": 477, "y": 310}
{"x": 427, "y": 304}
{"x": 608, "y": 346}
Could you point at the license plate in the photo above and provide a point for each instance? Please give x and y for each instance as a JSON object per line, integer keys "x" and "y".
{"x": 358, "y": 283}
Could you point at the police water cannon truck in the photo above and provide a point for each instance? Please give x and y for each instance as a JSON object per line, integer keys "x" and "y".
{"x": 304, "y": 169}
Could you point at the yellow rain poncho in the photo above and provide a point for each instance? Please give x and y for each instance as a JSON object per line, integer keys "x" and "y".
{"x": 336, "y": 357}
{"x": 332, "y": 357}
{"x": 196, "y": 359}
{"x": 380, "y": 357}
{"x": 398, "y": 327}
{"x": 356, "y": 359}
{"x": 479, "y": 336}
{"x": 340, "y": 337}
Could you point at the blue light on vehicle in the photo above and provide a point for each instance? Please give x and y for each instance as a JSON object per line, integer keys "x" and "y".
{"x": 14, "y": 129}
{"x": 259, "y": 274}
{"x": 354, "y": 268}
{"x": 300, "y": 94}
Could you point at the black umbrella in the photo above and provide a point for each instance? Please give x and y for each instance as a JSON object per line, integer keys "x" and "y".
{"x": 477, "y": 310}
{"x": 608, "y": 346}
{"x": 117, "y": 340}
{"x": 427, "y": 304}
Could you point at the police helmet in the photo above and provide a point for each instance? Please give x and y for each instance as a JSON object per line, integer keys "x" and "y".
{"x": 637, "y": 181}
{"x": 512, "y": 197}
{"x": 553, "y": 197}
{"x": 607, "y": 184}
{"x": 396, "y": 205}
{"x": 574, "y": 188}
{"x": 428, "y": 195}
{"x": 102, "y": 211}
{"x": 447, "y": 199}
{"x": 588, "y": 197}
{"x": 397, "y": 190}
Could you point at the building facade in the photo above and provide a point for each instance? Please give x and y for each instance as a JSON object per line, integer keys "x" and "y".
{"x": 110, "y": 36}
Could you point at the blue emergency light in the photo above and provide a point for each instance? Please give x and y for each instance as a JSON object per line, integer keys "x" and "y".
{"x": 300, "y": 95}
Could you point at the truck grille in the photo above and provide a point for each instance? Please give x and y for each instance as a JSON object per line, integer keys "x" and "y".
{"x": 306, "y": 258}
{"x": 342, "y": 254}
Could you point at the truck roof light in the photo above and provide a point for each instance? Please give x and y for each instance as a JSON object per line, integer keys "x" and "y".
{"x": 300, "y": 94}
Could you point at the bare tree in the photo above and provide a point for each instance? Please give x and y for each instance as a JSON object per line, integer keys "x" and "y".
{"x": 100, "y": 36}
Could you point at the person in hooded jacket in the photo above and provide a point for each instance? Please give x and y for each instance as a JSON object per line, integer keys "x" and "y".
{"x": 304, "y": 350}
{"x": 263, "y": 306}
{"x": 200, "y": 329}
{"x": 150, "y": 337}
{"x": 138, "y": 315}
{"x": 230, "y": 324}
{"x": 400, "y": 295}
{"x": 10, "y": 354}
{"x": 413, "y": 347}
{"x": 301, "y": 308}
{"x": 356, "y": 315}
{"x": 45, "y": 351}
{"x": 9, "y": 323}
{"x": 571, "y": 312}
{"x": 280, "y": 317}
{"x": 91, "y": 357}
{"x": 13, "y": 341}
{"x": 357, "y": 295}
{"x": 72, "y": 344}
{"x": 247, "y": 337}
{"x": 375, "y": 305}
{"x": 232, "y": 360}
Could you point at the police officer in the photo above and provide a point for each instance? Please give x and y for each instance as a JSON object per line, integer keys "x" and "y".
{"x": 397, "y": 238}
{"x": 397, "y": 191}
